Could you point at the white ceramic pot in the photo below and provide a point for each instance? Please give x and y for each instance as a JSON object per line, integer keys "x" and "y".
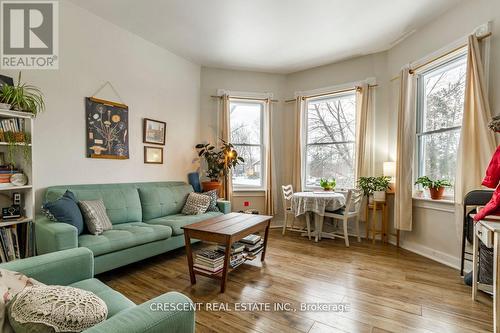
{"x": 379, "y": 195}
{"x": 370, "y": 199}
{"x": 5, "y": 106}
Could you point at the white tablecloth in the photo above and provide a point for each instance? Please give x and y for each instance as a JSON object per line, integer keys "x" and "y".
{"x": 316, "y": 202}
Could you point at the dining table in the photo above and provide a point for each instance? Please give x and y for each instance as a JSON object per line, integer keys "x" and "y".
{"x": 316, "y": 203}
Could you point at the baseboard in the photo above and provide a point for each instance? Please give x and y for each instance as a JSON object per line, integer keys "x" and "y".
{"x": 441, "y": 257}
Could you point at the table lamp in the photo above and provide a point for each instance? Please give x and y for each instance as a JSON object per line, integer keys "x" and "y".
{"x": 389, "y": 170}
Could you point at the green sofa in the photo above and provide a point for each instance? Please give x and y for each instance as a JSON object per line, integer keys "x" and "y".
{"x": 75, "y": 267}
{"x": 146, "y": 218}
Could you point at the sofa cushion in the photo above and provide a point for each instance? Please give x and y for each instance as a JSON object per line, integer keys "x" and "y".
{"x": 124, "y": 236}
{"x": 95, "y": 217}
{"x": 160, "y": 201}
{"x": 65, "y": 209}
{"x": 115, "y": 301}
{"x": 176, "y": 222}
{"x": 121, "y": 200}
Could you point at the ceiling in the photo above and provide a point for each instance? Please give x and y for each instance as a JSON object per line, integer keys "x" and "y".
{"x": 277, "y": 36}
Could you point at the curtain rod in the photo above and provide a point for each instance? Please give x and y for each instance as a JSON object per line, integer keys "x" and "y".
{"x": 412, "y": 70}
{"x": 357, "y": 88}
{"x": 247, "y": 98}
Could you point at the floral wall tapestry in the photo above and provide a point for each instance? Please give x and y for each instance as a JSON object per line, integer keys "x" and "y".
{"x": 107, "y": 129}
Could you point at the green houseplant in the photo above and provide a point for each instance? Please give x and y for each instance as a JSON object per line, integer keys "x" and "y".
{"x": 219, "y": 161}
{"x": 374, "y": 187}
{"x": 436, "y": 187}
{"x": 328, "y": 185}
{"x": 23, "y": 97}
{"x": 380, "y": 186}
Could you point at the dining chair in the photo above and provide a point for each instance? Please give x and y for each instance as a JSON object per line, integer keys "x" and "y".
{"x": 351, "y": 211}
{"x": 287, "y": 193}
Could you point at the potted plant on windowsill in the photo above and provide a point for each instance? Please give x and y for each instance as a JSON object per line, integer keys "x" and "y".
{"x": 219, "y": 162}
{"x": 380, "y": 186}
{"x": 328, "y": 185}
{"x": 436, "y": 187}
{"x": 22, "y": 97}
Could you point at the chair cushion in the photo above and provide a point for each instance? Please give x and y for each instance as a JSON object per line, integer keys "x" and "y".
{"x": 161, "y": 201}
{"x": 115, "y": 301}
{"x": 124, "y": 236}
{"x": 176, "y": 222}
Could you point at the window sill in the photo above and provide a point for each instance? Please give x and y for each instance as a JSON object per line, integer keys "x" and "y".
{"x": 444, "y": 205}
{"x": 449, "y": 201}
{"x": 245, "y": 192}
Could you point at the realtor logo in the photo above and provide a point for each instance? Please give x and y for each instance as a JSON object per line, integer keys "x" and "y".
{"x": 29, "y": 32}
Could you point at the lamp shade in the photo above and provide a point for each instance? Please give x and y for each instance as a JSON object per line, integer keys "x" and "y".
{"x": 389, "y": 169}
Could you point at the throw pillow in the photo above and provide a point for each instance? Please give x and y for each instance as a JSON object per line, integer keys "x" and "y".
{"x": 11, "y": 283}
{"x": 196, "y": 203}
{"x": 213, "y": 200}
{"x": 55, "y": 309}
{"x": 65, "y": 209}
{"x": 95, "y": 217}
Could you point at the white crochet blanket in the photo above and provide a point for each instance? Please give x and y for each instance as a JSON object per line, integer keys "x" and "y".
{"x": 65, "y": 309}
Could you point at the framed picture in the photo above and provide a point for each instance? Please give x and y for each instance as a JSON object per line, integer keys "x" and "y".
{"x": 154, "y": 131}
{"x": 153, "y": 155}
{"x": 107, "y": 129}
{"x": 6, "y": 80}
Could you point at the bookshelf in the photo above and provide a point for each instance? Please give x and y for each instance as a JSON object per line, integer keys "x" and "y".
{"x": 16, "y": 234}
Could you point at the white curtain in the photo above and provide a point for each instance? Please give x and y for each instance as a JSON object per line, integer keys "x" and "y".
{"x": 297, "y": 154}
{"x": 269, "y": 195}
{"x": 405, "y": 151}
{"x": 364, "y": 136}
{"x": 477, "y": 142}
{"x": 364, "y": 132}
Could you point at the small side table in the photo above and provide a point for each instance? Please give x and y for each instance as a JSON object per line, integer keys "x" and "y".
{"x": 374, "y": 207}
{"x": 487, "y": 231}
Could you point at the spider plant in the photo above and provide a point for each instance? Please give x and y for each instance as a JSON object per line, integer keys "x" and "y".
{"x": 23, "y": 97}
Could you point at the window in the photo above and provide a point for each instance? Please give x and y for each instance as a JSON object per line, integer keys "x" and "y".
{"x": 246, "y": 124}
{"x": 440, "y": 104}
{"x": 330, "y": 140}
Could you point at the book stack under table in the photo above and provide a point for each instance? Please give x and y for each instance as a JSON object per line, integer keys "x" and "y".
{"x": 211, "y": 261}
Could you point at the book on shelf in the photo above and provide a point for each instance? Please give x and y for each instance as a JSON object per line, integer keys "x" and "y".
{"x": 17, "y": 241}
{"x": 235, "y": 247}
{"x": 251, "y": 239}
{"x": 209, "y": 261}
{"x": 13, "y": 125}
{"x": 253, "y": 247}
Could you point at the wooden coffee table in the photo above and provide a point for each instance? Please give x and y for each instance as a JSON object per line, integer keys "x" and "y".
{"x": 225, "y": 230}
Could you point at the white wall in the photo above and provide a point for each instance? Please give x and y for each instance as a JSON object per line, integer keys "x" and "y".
{"x": 153, "y": 82}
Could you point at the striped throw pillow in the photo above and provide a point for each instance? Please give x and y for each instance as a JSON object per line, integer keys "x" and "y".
{"x": 95, "y": 217}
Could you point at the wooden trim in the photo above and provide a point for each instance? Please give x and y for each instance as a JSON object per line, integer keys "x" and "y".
{"x": 145, "y": 154}
{"x": 103, "y": 101}
{"x": 144, "y": 131}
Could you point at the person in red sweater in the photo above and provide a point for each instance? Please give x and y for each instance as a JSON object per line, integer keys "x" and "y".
{"x": 492, "y": 178}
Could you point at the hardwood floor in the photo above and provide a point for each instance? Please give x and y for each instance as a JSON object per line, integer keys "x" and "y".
{"x": 387, "y": 289}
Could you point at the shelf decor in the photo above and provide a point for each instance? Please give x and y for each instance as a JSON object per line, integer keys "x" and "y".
{"x": 107, "y": 129}
{"x": 17, "y": 195}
